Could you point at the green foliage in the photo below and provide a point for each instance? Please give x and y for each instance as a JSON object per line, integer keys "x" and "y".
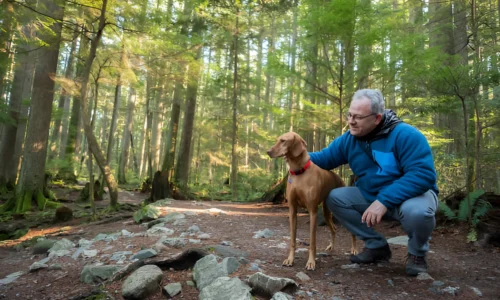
{"x": 478, "y": 208}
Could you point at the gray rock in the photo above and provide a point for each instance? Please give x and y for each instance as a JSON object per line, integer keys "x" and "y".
{"x": 142, "y": 283}
{"x": 302, "y": 276}
{"x": 143, "y": 254}
{"x": 172, "y": 289}
{"x": 55, "y": 267}
{"x": 350, "y": 266}
{"x": 424, "y": 276}
{"x": 42, "y": 246}
{"x": 399, "y": 240}
{"x": 171, "y": 217}
{"x": 106, "y": 237}
{"x": 268, "y": 285}
{"x": 476, "y": 291}
{"x": 194, "y": 228}
{"x": 91, "y": 274}
{"x": 281, "y": 296}
{"x": 215, "y": 211}
{"x": 37, "y": 266}
{"x": 204, "y": 236}
{"x": 451, "y": 290}
{"x": 83, "y": 243}
{"x": 194, "y": 241}
{"x": 189, "y": 283}
{"x": 59, "y": 253}
{"x": 11, "y": 277}
{"x": 266, "y": 233}
{"x": 206, "y": 270}
{"x": 225, "y": 288}
{"x": 89, "y": 253}
{"x": 126, "y": 233}
{"x": 159, "y": 231}
{"x": 226, "y": 243}
{"x": 179, "y": 222}
{"x": 63, "y": 244}
{"x": 224, "y": 251}
{"x": 162, "y": 203}
{"x": 254, "y": 267}
{"x": 243, "y": 260}
{"x": 437, "y": 283}
{"x": 230, "y": 265}
{"x": 174, "y": 242}
{"x": 161, "y": 224}
{"x": 120, "y": 255}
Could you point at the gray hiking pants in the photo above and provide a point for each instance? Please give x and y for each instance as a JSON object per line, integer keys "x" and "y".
{"x": 417, "y": 216}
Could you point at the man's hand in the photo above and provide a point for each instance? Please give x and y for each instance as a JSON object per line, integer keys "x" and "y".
{"x": 374, "y": 213}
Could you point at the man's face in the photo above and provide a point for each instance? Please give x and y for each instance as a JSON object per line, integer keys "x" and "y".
{"x": 362, "y": 120}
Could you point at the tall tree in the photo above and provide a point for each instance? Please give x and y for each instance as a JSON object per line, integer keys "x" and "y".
{"x": 31, "y": 185}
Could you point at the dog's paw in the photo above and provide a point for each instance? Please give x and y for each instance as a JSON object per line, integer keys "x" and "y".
{"x": 354, "y": 251}
{"x": 288, "y": 262}
{"x": 311, "y": 265}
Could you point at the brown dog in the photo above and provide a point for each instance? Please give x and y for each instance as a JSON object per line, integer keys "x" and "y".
{"x": 308, "y": 186}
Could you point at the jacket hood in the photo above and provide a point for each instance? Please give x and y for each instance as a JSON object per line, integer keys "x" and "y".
{"x": 389, "y": 121}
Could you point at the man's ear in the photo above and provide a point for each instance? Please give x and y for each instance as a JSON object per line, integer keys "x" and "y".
{"x": 298, "y": 146}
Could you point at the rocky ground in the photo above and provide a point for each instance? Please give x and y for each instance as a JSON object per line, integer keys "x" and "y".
{"x": 252, "y": 239}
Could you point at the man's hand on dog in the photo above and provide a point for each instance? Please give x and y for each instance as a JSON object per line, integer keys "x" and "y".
{"x": 374, "y": 213}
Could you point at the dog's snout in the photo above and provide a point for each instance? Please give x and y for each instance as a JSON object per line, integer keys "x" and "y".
{"x": 269, "y": 152}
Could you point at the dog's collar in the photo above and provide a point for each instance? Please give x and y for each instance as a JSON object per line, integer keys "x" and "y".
{"x": 298, "y": 172}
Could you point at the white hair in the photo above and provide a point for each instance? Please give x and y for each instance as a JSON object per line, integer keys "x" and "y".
{"x": 376, "y": 98}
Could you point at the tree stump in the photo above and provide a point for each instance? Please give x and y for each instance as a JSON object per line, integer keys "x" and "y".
{"x": 84, "y": 194}
{"x": 276, "y": 194}
{"x": 161, "y": 187}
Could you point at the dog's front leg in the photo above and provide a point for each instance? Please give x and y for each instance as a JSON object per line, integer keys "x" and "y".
{"x": 311, "y": 262}
{"x": 293, "y": 233}
{"x": 333, "y": 229}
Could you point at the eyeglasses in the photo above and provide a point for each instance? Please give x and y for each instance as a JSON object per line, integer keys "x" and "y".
{"x": 356, "y": 118}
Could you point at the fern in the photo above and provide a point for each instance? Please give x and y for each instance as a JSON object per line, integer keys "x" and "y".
{"x": 480, "y": 211}
{"x": 472, "y": 236}
{"x": 464, "y": 209}
{"x": 447, "y": 211}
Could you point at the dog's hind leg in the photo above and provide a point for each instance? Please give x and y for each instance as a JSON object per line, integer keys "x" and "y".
{"x": 333, "y": 229}
{"x": 293, "y": 232}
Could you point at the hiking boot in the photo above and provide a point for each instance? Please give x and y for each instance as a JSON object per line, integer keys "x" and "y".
{"x": 415, "y": 265}
{"x": 369, "y": 256}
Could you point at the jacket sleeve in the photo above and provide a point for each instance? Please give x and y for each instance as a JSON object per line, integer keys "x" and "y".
{"x": 415, "y": 158}
{"x": 332, "y": 156}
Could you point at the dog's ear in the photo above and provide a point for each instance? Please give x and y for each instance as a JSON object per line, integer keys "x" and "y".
{"x": 298, "y": 146}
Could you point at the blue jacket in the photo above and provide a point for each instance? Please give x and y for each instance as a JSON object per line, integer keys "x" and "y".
{"x": 401, "y": 166}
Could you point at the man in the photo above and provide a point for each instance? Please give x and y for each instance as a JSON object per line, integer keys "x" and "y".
{"x": 396, "y": 177}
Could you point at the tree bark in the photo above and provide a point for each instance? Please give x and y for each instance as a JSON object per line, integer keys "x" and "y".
{"x": 91, "y": 139}
{"x": 129, "y": 124}
{"x": 234, "y": 131}
{"x": 32, "y": 182}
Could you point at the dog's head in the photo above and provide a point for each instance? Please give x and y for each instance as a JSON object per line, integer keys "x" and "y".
{"x": 289, "y": 144}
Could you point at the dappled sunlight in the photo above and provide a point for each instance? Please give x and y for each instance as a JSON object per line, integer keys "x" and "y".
{"x": 38, "y": 232}
{"x": 244, "y": 210}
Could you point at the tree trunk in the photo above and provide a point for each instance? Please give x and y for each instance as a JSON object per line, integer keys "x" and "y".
{"x": 91, "y": 139}
{"x": 183, "y": 162}
{"x": 129, "y": 124}
{"x": 234, "y": 132}
{"x": 32, "y": 182}
{"x": 7, "y": 17}
{"x": 63, "y": 101}
{"x": 12, "y": 141}
{"x": 116, "y": 107}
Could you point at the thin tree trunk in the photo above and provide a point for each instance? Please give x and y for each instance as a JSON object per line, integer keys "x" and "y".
{"x": 116, "y": 107}
{"x": 63, "y": 100}
{"x": 234, "y": 132}
{"x": 91, "y": 139}
{"x": 129, "y": 123}
{"x": 5, "y": 41}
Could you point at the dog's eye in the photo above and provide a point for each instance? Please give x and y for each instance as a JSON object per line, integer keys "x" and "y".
{"x": 282, "y": 141}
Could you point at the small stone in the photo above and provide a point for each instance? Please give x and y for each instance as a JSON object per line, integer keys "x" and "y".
{"x": 89, "y": 253}
{"x": 226, "y": 243}
{"x": 322, "y": 254}
{"x": 189, "y": 283}
{"x": 143, "y": 254}
{"x": 451, "y": 290}
{"x": 37, "y": 266}
{"x": 476, "y": 291}
{"x": 390, "y": 282}
{"x": 194, "y": 241}
{"x": 172, "y": 289}
{"x": 350, "y": 266}
{"x": 204, "y": 236}
{"x": 194, "y": 228}
{"x": 302, "y": 276}
{"x": 266, "y": 233}
{"x": 437, "y": 283}
{"x": 424, "y": 276}
{"x": 301, "y": 250}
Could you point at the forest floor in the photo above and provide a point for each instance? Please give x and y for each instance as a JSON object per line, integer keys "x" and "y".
{"x": 453, "y": 262}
